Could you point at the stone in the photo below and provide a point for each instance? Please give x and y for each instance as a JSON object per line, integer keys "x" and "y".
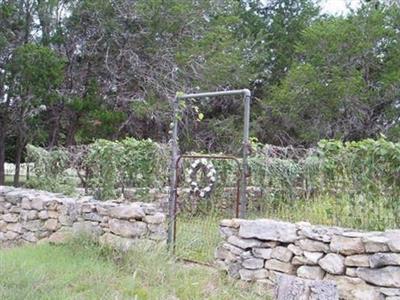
{"x": 295, "y": 288}
{"x": 262, "y": 252}
{"x": 312, "y": 246}
{"x": 60, "y": 237}
{"x": 323, "y": 234}
{"x": 374, "y": 244}
{"x": 30, "y": 237}
{"x": 394, "y": 240}
{"x": 15, "y": 209}
{"x": 359, "y": 260}
{"x": 3, "y": 226}
{"x": 116, "y": 242}
{"x": 28, "y": 215}
{"x": 244, "y": 243}
{"x": 33, "y": 225}
{"x": 11, "y": 235}
{"x": 157, "y": 218}
{"x": 312, "y": 258}
{"x": 390, "y": 291}
{"x": 378, "y": 260}
{"x": 227, "y": 231}
{"x": 86, "y": 228}
{"x": 311, "y": 272}
{"x": 253, "y": 263}
{"x": 352, "y": 272}
{"x": 296, "y": 250}
{"x": 127, "y": 212}
{"x": 347, "y": 245}
{"x": 235, "y": 250}
{"x": 66, "y": 220}
{"x": 233, "y": 270}
{"x": 252, "y": 275}
{"x": 127, "y": 229}
{"x": 353, "y": 288}
{"x": 94, "y": 217}
{"x": 273, "y": 264}
{"x": 37, "y": 203}
{"x": 14, "y": 197}
{"x": 11, "y": 218}
{"x": 269, "y": 244}
{"x": 16, "y": 227}
{"x": 332, "y": 263}
{"x": 53, "y": 214}
{"x": 43, "y": 215}
{"x": 234, "y": 223}
{"x": 300, "y": 260}
{"x": 282, "y": 254}
{"x": 385, "y": 277}
{"x": 224, "y": 254}
{"x": 51, "y": 224}
{"x": 266, "y": 229}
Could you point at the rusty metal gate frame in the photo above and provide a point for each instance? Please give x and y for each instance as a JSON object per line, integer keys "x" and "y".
{"x": 175, "y": 191}
{"x": 174, "y": 147}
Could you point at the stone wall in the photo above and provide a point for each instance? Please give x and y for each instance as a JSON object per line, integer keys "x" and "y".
{"x": 30, "y": 216}
{"x": 364, "y": 265}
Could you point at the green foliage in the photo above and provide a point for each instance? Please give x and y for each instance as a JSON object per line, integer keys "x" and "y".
{"x": 36, "y": 70}
{"x": 125, "y": 163}
{"x": 49, "y": 170}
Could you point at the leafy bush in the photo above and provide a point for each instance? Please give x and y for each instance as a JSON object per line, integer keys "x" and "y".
{"x": 49, "y": 170}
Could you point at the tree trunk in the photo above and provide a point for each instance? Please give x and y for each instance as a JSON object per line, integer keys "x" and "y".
{"x": 18, "y": 156}
{"x": 54, "y": 133}
{"x": 2, "y": 151}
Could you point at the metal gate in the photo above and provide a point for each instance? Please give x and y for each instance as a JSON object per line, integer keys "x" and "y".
{"x": 241, "y": 187}
{"x": 205, "y": 228}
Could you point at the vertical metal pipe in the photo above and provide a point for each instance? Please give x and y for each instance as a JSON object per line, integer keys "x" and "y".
{"x": 173, "y": 178}
{"x": 246, "y": 128}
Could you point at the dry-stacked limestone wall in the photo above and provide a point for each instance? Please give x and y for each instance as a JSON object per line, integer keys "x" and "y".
{"x": 364, "y": 265}
{"x": 29, "y": 216}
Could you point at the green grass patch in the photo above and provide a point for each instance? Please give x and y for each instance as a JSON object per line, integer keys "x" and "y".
{"x": 85, "y": 270}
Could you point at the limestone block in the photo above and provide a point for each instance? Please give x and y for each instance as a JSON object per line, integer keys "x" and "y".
{"x": 332, "y": 263}
{"x": 311, "y": 272}
{"x": 127, "y": 229}
{"x": 282, "y": 254}
{"x": 347, "y": 245}
{"x": 385, "y": 277}
{"x": 252, "y": 275}
{"x": 312, "y": 246}
{"x": 280, "y": 266}
{"x": 384, "y": 259}
{"x": 244, "y": 243}
{"x": 132, "y": 211}
{"x": 265, "y": 229}
{"x": 262, "y": 252}
{"x": 374, "y": 244}
{"x": 253, "y": 263}
{"x": 359, "y": 260}
{"x": 351, "y": 288}
{"x": 294, "y": 288}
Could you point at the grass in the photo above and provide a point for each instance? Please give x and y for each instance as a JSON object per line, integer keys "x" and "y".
{"x": 353, "y": 211}
{"x": 84, "y": 270}
{"x": 197, "y": 237}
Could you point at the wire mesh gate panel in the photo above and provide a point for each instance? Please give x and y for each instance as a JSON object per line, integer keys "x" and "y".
{"x": 174, "y": 146}
{"x": 196, "y": 221}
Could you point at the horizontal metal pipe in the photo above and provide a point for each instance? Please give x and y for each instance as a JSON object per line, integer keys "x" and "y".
{"x": 245, "y": 92}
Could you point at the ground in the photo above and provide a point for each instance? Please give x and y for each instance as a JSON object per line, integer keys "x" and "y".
{"x": 82, "y": 269}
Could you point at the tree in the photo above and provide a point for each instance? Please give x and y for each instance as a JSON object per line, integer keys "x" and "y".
{"x": 34, "y": 73}
{"x": 344, "y": 83}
